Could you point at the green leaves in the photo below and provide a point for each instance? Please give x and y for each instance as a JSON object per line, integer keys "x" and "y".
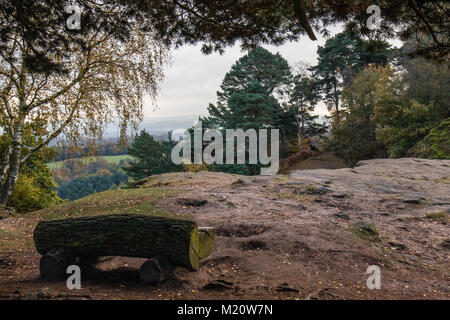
{"x": 340, "y": 59}
{"x": 152, "y": 157}
{"x": 35, "y": 187}
{"x": 260, "y": 66}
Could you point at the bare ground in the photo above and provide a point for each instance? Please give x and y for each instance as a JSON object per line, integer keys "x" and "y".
{"x": 308, "y": 235}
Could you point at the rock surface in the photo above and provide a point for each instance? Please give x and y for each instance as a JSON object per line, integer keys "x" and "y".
{"x": 315, "y": 232}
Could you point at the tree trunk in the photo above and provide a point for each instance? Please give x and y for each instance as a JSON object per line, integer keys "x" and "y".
{"x": 123, "y": 133}
{"x": 123, "y": 235}
{"x": 5, "y": 165}
{"x": 14, "y": 166}
{"x": 336, "y": 99}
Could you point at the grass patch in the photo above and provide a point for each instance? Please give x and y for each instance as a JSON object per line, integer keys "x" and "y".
{"x": 409, "y": 219}
{"x": 138, "y": 201}
{"x": 110, "y": 159}
{"x": 300, "y": 198}
{"x": 445, "y": 180}
{"x": 15, "y": 240}
{"x": 326, "y": 160}
{"x": 440, "y": 216}
{"x": 367, "y": 232}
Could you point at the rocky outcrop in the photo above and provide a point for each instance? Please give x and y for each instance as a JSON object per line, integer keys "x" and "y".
{"x": 6, "y": 212}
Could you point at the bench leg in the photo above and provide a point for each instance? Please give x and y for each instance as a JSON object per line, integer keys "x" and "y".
{"x": 156, "y": 270}
{"x": 53, "y": 267}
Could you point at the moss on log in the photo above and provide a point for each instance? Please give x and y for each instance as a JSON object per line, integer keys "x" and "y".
{"x": 122, "y": 235}
{"x": 207, "y": 239}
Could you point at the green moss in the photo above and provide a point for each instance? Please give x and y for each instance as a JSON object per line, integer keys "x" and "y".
{"x": 445, "y": 180}
{"x": 365, "y": 231}
{"x": 141, "y": 201}
{"x": 436, "y": 145}
{"x": 409, "y": 219}
{"x": 437, "y": 216}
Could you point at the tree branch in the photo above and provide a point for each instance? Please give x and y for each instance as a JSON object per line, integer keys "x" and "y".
{"x": 55, "y": 133}
{"x": 299, "y": 10}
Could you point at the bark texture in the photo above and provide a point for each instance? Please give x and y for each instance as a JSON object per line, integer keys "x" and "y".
{"x": 122, "y": 235}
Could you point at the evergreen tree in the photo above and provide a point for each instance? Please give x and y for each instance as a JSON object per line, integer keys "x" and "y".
{"x": 250, "y": 108}
{"x": 270, "y": 70}
{"x": 259, "y": 66}
{"x": 218, "y": 24}
{"x": 152, "y": 157}
{"x": 427, "y": 82}
{"x": 246, "y": 98}
{"x": 303, "y": 99}
{"x": 340, "y": 58}
{"x": 412, "y": 103}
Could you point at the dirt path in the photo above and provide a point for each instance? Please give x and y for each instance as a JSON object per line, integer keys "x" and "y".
{"x": 308, "y": 235}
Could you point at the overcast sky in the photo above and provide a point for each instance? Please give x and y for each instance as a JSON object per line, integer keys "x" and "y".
{"x": 193, "y": 79}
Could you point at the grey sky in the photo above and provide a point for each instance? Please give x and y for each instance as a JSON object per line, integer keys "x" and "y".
{"x": 193, "y": 78}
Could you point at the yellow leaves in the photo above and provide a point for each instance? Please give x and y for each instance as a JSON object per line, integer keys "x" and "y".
{"x": 106, "y": 80}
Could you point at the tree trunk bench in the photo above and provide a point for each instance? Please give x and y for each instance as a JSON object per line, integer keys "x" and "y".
{"x": 166, "y": 242}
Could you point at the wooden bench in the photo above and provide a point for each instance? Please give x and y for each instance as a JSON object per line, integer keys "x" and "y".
{"x": 166, "y": 242}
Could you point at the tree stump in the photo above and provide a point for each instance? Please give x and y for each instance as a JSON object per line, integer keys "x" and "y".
{"x": 155, "y": 270}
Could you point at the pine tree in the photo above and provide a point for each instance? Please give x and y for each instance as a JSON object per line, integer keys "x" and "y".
{"x": 247, "y": 96}
{"x": 340, "y": 58}
{"x": 151, "y": 157}
{"x": 257, "y": 77}
{"x": 270, "y": 70}
{"x": 303, "y": 99}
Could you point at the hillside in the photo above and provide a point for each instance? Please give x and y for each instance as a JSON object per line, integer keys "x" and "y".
{"x": 110, "y": 159}
{"x": 307, "y": 235}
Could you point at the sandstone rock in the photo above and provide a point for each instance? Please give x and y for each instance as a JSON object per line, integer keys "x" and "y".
{"x": 366, "y": 227}
{"x": 341, "y": 215}
{"x": 218, "y": 285}
{"x": 6, "y": 212}
{"x": 284, "y": 287}
{"x": 191, "y": 202}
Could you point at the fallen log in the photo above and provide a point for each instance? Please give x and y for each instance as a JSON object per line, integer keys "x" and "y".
{"x": 124, "y": 235}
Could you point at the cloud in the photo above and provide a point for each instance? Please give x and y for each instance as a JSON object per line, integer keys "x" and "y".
{"x": 193, "y": 79}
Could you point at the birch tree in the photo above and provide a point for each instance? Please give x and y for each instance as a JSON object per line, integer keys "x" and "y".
{"x": 102, "y": 79}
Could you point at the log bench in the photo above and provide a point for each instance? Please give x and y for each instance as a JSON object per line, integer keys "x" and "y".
{"x": 166, "y": 242}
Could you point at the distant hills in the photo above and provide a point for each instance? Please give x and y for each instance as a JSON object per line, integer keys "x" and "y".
{"x": 158, "y": 126}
